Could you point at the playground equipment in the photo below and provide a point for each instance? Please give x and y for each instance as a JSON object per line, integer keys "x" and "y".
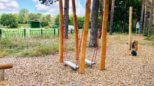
{"x": 82, "y": 58}
{"x": 133, "y": 46}
{"x": 3, "y": 67}
{"x": 75, "y": 66}
{"x": 82, "y": 53}
{"x": 130, "y": 27}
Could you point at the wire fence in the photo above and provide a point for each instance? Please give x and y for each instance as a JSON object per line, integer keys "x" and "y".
{"x": 22, "y": 33}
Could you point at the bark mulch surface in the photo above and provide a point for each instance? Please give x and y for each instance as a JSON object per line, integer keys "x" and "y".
{"x": 121, "y": 68}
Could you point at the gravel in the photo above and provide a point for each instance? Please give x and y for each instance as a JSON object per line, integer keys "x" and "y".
{"x": 121, "y": 69}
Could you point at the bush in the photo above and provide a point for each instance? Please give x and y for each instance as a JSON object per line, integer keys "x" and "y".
{"x": 9, "y": 20}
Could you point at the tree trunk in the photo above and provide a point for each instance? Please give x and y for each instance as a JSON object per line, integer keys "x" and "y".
{"x": 101, "y": 7}
{"x": 145, "y": 19}
{"x": 112, "y": 16}
{"x": 150, "y": 20}
{"x": 66, "y": 18}
{"x": 142, "y": 16}
{"x": 94, "y": 24}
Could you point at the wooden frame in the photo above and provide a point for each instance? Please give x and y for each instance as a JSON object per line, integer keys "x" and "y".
{"x": 104, "y": 34}
{"x": 84, "y": 38}
{"x": 130, "y": 27}
{"x": 61, "y": 29}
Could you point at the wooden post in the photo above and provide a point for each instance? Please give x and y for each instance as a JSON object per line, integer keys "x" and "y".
{"x": 1, "y": 75}
{"x": 61, "y": 32}
{"x": 2, "y": 70}
{"x": 0, "y": 33}
{"x": 75, "y": 20}
{"x": 130, "y": 27}
{"x": 54, "y": 31}
{"x": 84, "y": 38}
{"x": 58, "y": 32}
{"x": 41, "y": 32}
{"x": 24, "y": 32}
{"x": 104, "y": 34}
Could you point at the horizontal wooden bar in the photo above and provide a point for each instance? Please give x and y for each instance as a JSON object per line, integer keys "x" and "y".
{"x": 6, "y": 66}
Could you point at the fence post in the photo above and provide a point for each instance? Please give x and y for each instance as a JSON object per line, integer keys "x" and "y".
{"x": 41, "y": 32}
{"x": 58, "y": 32}
{"x": 24, "y": 32}
{"x": 0, "y": 33}
{"x": 54, "y": 32}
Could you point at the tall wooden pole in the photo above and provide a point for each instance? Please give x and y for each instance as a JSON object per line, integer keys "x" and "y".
{"x": 130, "y": 27}
{"x": 84, "y": 38}
{"x": 75, "y": 20}
{"x": 61, "y": 31}
{"x": 104, "y": 34}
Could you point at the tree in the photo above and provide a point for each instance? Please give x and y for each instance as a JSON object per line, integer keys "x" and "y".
{"x": 66, "y": 17}
{"x": 112, "y": 16}
{"x": 45, "y": 20}
{"x": 23, "y": 16}
{"x": 94, "y": 24}
{"x": 151, "y": 18}
{"x": 57, "y": 20}
{"x": 34, "y": 17}
{"x": 9, "y": 20}
{"x": 80, "y": 22}
{"x": 142, "y": 16}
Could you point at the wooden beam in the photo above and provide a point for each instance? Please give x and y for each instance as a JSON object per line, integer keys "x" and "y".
{"x": 104, "y": 34}
{"x": 75, "y": 20}
{"x": 61, "y": 31}
{"x": 6, "y": 66}
{"x": 84, "y": 38}
{"x": 130, "y": 27}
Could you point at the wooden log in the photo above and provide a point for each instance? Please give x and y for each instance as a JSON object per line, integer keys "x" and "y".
{"x": 130, "y": 27}
{"x": 1, "y": 75}
{"x": 84, "y": 38}
{"x": 75, "y": 20}
{"x": 104, "y": 34}
{"x": 61, "y": 32}
{"x": 6, "y": 66}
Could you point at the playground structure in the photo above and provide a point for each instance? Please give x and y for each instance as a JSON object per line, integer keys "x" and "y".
{"x": 3, "y": 67}
{"x": 82, "y": 56}
{"x": 133, "y": 45}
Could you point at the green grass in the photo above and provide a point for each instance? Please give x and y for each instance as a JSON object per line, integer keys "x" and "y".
{"x": 32, "y": 47}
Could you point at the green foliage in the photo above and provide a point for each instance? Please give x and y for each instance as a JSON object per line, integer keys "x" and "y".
{"x": 34, "y": 17}
{"x": 57, "y": 20}
{"x": 9, "y": 20}
{"x": 80, "y": 21}
{"x": 23, "y": 16}
{"x": 121, "y": 15}
{"x": 45, "y": 20}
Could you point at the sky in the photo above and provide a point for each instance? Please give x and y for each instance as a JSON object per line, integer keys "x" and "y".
{"x": 34, "y": 6}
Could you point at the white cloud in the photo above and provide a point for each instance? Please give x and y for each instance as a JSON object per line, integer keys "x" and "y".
{"x": 9, "y": 6}
{"x": 54, "y": 9}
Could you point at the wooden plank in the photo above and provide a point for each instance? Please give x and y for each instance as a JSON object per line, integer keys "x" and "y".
{"x": 75, "y": 20}
{"x": 104, "y": 34}
{"x": 61, "y": 32}
{"x": 84, "y": 38}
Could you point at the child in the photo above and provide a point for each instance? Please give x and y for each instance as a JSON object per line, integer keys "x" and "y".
{"x": 134, "y": 48}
